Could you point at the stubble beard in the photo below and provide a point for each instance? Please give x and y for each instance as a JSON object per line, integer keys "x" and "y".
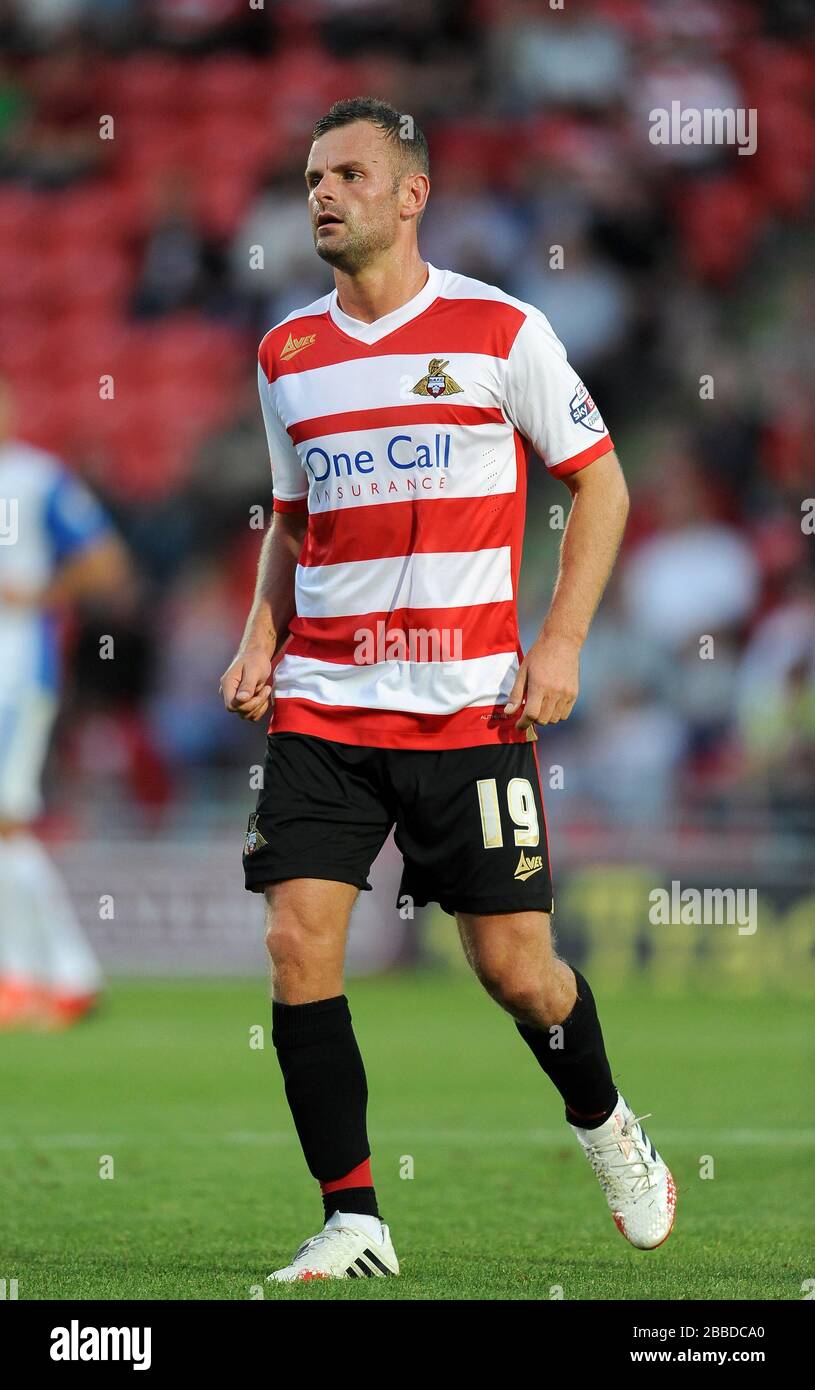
{"x": 360, "y": 246}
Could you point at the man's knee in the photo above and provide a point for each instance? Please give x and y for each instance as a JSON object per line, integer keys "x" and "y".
{"x": 306, "y": 926}
{"x": 524, "y": 993}
{"x": 519, "y": 969}
{"x": 288, "y": 934}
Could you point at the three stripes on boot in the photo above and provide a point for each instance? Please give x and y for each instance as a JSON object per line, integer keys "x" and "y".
{"x": 363, "y": 1268}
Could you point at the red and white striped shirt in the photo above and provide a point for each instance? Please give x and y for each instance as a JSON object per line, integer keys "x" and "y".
{"x": 406, "y": 440}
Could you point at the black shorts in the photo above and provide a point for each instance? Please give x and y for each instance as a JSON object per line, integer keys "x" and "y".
{"x": 469, "y": 821}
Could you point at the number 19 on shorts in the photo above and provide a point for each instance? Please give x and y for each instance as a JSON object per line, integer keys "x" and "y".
{"x": 522, "y": 812}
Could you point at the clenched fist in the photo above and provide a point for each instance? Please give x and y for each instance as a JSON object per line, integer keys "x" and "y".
{"x": 548, "y": 678}
{"x": 246, "y": 685}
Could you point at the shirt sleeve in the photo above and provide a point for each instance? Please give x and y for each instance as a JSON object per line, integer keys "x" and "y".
{"x": 288, "y": 476}
{"x": 74, "y": 520}
{"x": 547, "y": 402}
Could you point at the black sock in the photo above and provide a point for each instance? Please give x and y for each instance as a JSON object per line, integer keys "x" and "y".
{"x": 327, "y": 1093}
{"x": 356, "y": 1199}
{"x": 579, "y": 1068}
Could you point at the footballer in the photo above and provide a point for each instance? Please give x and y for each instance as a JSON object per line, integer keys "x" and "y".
{"x": 401, "y": 410}
{"x": 57, "y": 548}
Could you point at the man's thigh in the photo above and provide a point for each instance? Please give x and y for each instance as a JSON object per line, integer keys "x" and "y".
{"x": 25, "y": 734}
{"x": 306, "y": 932}
{"x": 493, "y": 942}
{"x": 472, "y": 831}
{"x": 322, "y": 813}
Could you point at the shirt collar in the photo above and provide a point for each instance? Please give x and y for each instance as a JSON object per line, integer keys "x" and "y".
{"x": 380, "y": 328}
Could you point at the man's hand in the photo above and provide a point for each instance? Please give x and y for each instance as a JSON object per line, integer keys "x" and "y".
{"x": 246, "y": 685}
{"x": 11, "y": 597}
{"x": 549, "y": 679}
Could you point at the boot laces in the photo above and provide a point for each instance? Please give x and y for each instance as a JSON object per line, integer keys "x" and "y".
{"x": 622, "y": 1177}
{"x": 314, "y": 1241}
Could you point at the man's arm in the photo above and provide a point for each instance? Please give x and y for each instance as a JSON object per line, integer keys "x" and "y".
{"x": 549, "y": 674}
{"x": 99, "y": 570}
{"x": 246, "y": 684}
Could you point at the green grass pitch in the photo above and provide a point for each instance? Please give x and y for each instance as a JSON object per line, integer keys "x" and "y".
{"x": 210, "y": 1192}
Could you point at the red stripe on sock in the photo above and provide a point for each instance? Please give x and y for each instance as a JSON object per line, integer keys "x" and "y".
{"x": 358, "y": 1177}
{"x": 581, "y": 1116}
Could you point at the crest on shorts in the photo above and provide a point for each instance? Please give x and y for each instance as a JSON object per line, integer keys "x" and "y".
{"x": 437, "y": 382}
{"x": 254, "y": 839}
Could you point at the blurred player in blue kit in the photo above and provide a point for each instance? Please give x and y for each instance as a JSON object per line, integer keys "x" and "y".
{"x": 57, "y": 548}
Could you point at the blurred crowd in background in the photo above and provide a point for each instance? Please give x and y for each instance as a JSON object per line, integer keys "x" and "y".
{"x": 148, "y": 148}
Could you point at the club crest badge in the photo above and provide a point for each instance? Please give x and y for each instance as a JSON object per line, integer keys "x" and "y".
{"x": 437, "y": 382}
{"x": 254, "y": 839}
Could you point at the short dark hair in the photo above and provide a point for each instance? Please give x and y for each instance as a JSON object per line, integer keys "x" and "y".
{"x": 408, "y": 140}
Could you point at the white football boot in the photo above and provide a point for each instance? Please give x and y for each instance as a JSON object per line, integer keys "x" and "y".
{"x": 340, "y": 1251}
{"x": 638, "y": 1185}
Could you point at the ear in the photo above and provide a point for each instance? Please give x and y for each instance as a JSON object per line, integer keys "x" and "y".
{"x": 415, "y": 193}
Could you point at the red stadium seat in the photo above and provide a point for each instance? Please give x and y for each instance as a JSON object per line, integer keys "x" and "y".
{"x": 133, "y": 187}
{"x": 37, "y": 415}
{"x": 190, "y": 408}
{"x": 184, "y": 346}
{"x": 228, "y": 84}
{"x": 301, "y": 80}
{"x": 90, "y": 343}
{"x": 720, "y": 219}
{"x": 95, "y": 277}
{"x": 150, "y": 144}
{"x": 26, "y": 342}
{"x": 148, "y": 464}
{"x": 784, "y": 162}
{"x": 20, "y": 217}
{"x": 221, "y": 203}
{"x": 75, "y": 414}
{"x": 771, "y": 71}
{"x": 148, "y": 82}
{"x": 86, "y": 216}
{"x": 24, "y": 279}
{"x": 234, "y": 143}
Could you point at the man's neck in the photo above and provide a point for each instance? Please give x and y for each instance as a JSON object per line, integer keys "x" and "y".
{"x": 379, "y": 289}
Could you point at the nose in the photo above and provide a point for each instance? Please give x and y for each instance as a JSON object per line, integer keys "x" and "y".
{"x": 323, "y": 191}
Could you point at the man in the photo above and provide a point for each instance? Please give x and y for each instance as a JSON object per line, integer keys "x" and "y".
{"x": 399, "y": 411}
{"x": 56, "y": 548}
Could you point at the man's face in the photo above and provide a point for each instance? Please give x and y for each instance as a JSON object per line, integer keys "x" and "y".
{"x": 353, "y": 195}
